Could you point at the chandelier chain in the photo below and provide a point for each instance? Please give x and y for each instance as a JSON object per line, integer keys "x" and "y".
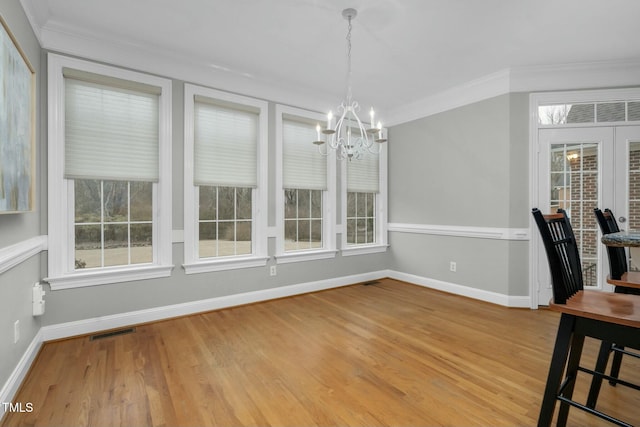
{"x": 349, "y": 90}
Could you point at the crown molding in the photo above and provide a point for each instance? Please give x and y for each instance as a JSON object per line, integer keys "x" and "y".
{"x": 486, "y": 87}
{"x": 153, "y": 60}
{"x": 590, "y": 75}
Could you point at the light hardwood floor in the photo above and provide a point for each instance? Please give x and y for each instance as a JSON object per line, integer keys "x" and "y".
{"x": 384, "y": 354}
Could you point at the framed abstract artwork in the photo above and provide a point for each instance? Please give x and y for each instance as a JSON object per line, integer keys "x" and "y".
{"x": 17, "y": 126}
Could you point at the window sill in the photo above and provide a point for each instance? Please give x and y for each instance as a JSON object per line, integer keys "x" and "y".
{"x": 206, "y": 266}
{"x": 288, "y": 257}
{"x": 103, "y": 276}
{"x": 364, "y": 249}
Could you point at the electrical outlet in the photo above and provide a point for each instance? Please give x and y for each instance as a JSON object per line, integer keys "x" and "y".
{"x": 16, "y": 331}
{"x": 273, "y": 271}
{"x": 453, "y": 266}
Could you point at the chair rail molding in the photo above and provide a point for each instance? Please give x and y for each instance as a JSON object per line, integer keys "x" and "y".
{"x": 12, "y": 255}
{"x": 497, "y": 233}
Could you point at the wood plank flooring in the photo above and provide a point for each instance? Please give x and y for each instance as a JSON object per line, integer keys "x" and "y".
{"x": 384, "y": 354}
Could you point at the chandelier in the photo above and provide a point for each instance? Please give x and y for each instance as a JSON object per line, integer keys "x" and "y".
{"x": 349, "y": 136}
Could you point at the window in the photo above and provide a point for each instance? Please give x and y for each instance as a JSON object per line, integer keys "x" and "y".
{"x": 113, "y": 223}
{"x": 302, "y": 219}
{"x": 225, "y": 180}
{"x": 364, "y": 204}
{"x": 361, "y": 218}
{"x": 305, "y": 189}
{"x": 588, "y": 112}
{"x": 109, "y": 174}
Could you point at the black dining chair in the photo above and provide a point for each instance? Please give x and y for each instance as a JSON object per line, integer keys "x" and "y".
{"x": 607, "y": 317}
{"x": 625, "y": 281}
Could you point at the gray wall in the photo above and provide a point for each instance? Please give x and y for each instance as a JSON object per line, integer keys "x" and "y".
{"x": 464, "y": 167}
{"x": 15, "y": 284}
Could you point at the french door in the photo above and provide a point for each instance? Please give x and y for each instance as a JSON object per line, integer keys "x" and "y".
{"x": 581, "y": 169}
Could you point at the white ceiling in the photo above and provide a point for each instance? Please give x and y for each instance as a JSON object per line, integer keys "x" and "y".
{"x": 404, "y": 51}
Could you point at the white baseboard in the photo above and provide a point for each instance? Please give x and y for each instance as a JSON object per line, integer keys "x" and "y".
{"x": 452, "y": 288}
{"x": 10, "y": 388}
{"x": 87, "y": 326}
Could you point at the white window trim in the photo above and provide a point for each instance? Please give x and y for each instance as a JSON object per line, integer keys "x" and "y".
{"x": 381, "y": 243}
{"x": 328, "y": 197}
{"x": 60, "y": 223}
{"x": 193, "y": 264}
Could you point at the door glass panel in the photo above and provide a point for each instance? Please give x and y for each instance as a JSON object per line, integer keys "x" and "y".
{"x": 574, "y": 187}
{"x": 634, "y": 190}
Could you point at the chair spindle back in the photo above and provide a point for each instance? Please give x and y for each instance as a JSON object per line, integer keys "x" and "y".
{"x": 562, "y": 253}
{"x": 617, "y": 256}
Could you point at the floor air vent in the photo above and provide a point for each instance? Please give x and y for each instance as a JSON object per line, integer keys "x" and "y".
{"x": 112, "y": 334}
{"x": 373, "y": 282}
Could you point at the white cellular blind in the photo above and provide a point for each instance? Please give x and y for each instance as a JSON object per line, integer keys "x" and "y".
{"x": 110, "y": 132}
{"x": 363, "y": 174}
{"x": 303, "y": 166}
{"x": 225, "y": 146}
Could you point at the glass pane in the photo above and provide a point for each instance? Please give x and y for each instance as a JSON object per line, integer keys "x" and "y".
{"x": 361, "y": 205}
{"x": 290, "y": 230}
{"x": 290, "y": 203}
{"x": 588, "y": 253}
{"x": 87, "y": 199}
{"x": 88, "y": 249}
{"x": 611, "y": 112}
{"x": 141, "y": 201}
{"x": 141, "y": 243}
{"x": 316, "y": 234}
{"x": 304, "y": 203}
{"x": 207, "y": 236}
{"x": 558, "y": 160}
{"x": 361, "y": 231}
{"x": 589, "y": 273}
{"x": 351, "y": 205}
{"x": 633, "y": 111}
{"x": 316, "y": 204}
{"x": 115, "y": 201}
{"x": 207, "y": 208}
{"x": 116, "y": 244}
{"x": 371, "y": 227}
{"x": 351, "y": 231}
{"x": 243, "y": 234}
{"x": 371, "y": 205}
{"x": 226, "y": 239}
{"x": 243, "y": 203}
{"x": 580, "y": 113}
{"x": 226, "y": 203}
{"x": 304, "y": 230}
{"x": 590, "y": 157}
{"x": 552, "y": 114}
